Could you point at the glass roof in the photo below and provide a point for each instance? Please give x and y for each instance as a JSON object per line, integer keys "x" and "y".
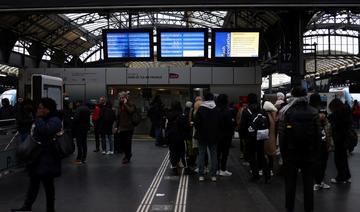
{"x": 94, "y": 23}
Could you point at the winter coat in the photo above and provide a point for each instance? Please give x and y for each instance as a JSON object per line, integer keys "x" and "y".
{"x": 177, "y": 126}
{"x": 124, "y": 117}
{"x": 106, "y": 121}
{"x": 81, "y": 120}
{"x": 7, "y": 112}
{"x": 341, "y": 122}
{"x": 246, "y": 119}
{"x": 299, "y": 132}
{"x": 207, "y": 123}
{"x": 156, "y": 114}
{"x": 270, "y": 144}
{"x": 24, "y": 121}
{"x": 226, "y": 120}
{"x": 48, "y": 163}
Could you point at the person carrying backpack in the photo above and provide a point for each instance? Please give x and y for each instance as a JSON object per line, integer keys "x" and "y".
{"x": 300, "y": 141}
{"x": 254, "y": 127}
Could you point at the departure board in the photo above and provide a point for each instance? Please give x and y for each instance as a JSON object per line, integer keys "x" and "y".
{"x": 182, "y": 44}
{"x": 128, "y": 45}
{"x": 236, "y": 44}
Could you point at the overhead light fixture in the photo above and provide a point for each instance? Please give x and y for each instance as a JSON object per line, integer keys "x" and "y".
{"x": 2, "y": 75}
{"x": 82, "y": 38}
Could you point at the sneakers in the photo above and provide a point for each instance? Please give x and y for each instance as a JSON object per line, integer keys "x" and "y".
{"x": 271, "y": 173}
{"x": 103, "y": 152}
{"x": 111, "y": 152}
{"x": 125, "y": 161}
{"x": 77, "y": 162}
{"x": 246, "y": 164}
{"x": 316, "y": 187}
{"x": 321, "y": 186}
{"x": 225, "y": 173}
{"x": 213, "y": 178}
{"x": 324, "y": 186}
{"x": 335, "y": 181}
{"x": 201, "y": 178}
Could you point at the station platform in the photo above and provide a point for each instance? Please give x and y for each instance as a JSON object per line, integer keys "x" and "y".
{"x": 104, "y": 184}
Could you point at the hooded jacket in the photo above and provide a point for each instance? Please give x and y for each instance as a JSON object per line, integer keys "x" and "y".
{"x": 207, "y": 123}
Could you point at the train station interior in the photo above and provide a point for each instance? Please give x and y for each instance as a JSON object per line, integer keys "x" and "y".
{"x": 82, "y": 50}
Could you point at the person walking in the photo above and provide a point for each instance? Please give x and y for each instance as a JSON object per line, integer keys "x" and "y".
{"x": 156, "y": 114}
{"x": 341, "y": 122}
{"x": 300, "y": 139}
{"x": 125, "y": 126}
{"x": 326, "y": 144}
{"x": 250, "y": 116}
{"x": 225, "y": 134}
{"x": 107, "y": 119}
{"x": 47, "y": 165}
{"x": 270, "y": 144}
{"x": 177, "y": 124}
{"x": 95, "y": 120}
{"x": 207, "y": 124}
{"x": 81, "y": 126}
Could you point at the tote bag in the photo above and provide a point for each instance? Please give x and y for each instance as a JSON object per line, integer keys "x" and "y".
{"x": 29, "y": 149}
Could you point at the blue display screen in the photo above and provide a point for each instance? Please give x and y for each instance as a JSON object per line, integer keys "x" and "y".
{"x": 128, "y": 44}
{"x": 237, "y": 44}
{"x": 182, "y": 44}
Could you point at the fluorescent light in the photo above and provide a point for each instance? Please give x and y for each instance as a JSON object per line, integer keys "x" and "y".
{"x": 2, "y": 75}
{"x": 82, "y": 38}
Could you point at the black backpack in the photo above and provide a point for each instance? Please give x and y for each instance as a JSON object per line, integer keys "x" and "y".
{"x": 300, "y": 131}
{"x": 259, "y": 125}
{"x": 136, "y": 117}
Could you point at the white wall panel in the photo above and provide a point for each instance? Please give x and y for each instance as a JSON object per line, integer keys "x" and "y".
{"x": 116, "y": 76}
{"x": 201, "y": 75}
{"x": 223, "y": 75}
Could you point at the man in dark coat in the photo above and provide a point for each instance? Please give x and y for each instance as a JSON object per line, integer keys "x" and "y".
{"x": 207, "y": 123}
{"x": 81, "y": 125}
{"x": 24, "y": 118}
{"x": 300, "y": 140}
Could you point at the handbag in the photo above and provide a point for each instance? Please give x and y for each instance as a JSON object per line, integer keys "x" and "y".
{"x": 64, "y": 143}
{"x": 29, "y": 149}
{"x": 352, "y": 140}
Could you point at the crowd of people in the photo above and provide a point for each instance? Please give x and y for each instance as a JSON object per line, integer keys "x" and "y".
{"x": 296, "y": 133}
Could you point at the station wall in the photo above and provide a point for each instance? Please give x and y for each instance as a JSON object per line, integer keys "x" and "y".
{"x": 90, "y": 83}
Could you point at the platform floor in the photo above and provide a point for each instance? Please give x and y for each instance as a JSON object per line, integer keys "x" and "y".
{"x": 147, "y": 184}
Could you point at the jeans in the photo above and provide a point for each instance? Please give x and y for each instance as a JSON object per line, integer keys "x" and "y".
{"x": 33, "y": 191}
{"x": 158, "y": 136}
{"x": 81, "y": 141}
{"x": 213, "y": 158}
{"x": 107, "y": 138}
